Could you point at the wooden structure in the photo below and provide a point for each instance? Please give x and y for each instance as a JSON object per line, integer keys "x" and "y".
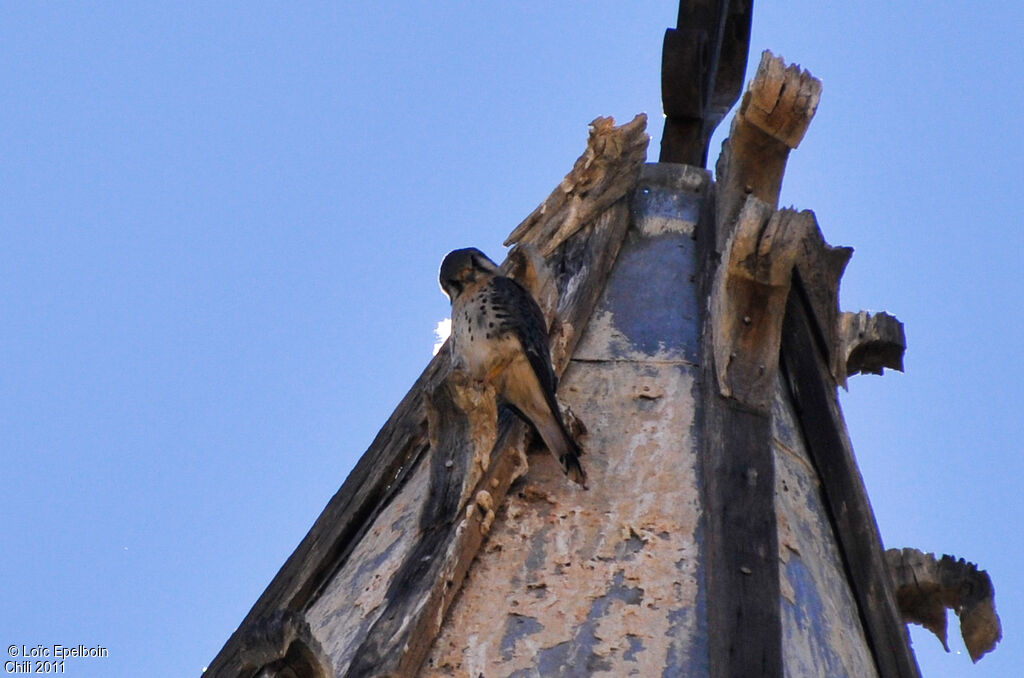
{"x": 726, "y": 531}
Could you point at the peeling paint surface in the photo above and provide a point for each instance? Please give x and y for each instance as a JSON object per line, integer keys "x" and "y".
{"x": 821, "y": 627}
{"x": 607, "y": 581}
{"x": 337, "y": 622}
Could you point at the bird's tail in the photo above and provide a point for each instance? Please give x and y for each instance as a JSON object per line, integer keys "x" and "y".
{"x": 570, "y": 462}
{"x": 561, "y": 444}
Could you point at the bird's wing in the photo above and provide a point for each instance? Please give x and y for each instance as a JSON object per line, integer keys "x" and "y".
{"x": 527, "y": 322}
{"x": 531, "y": 330}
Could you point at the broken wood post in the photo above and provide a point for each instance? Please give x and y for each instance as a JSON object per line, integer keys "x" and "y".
{"x": 771, "y": 121}
{"x": 926, "y": 587}
{"x": 870, "y": 343}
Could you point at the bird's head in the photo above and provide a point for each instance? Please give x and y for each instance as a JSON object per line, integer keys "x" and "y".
{"x": 464, "y": 267}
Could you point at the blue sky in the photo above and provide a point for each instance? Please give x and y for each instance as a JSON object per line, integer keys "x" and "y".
{"x": 221, "y": 226}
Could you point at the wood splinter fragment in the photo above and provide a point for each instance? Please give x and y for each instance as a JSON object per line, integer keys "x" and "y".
{"x": 772, "y": 119}
{"x": 486, "y": 504}
{"x": 926, "y": 587}
{"x": 605, "y": 172}
{"x": 870, "y": 343}
{"x": 781, "y": 100}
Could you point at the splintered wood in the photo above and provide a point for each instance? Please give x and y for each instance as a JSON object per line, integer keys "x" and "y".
{"x": 775, "y": 93}
{"x": 603, "y": 174}
{"x": 774, "y": 114}
{"x": 761, "y": 247}
{"x": 750, "y": 292}
{"x": 870, "y": 343}
{"x": 926, "y": 587}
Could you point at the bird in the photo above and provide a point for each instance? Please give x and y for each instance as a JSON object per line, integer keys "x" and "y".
{"x": 499, "y": 336}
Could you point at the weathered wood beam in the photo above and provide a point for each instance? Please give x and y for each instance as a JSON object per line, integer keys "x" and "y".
{"x": 813, "y": 390}
{"x": 773, "y": 116}
{"x": 758, "y": 247}
{"x": 869, "y": 343}
{"x": 774, "y": 284}
{"x": 741, "y": 539}
{"x": 586, "y": 218}
{"x": 464, "y": 431}
{"x": 747, "y": 260}
{"x": 927, "y": 587}
{"x": 372, "y": 484}
{"x": 749, "y": 299}
{"x": 279, "y": 641}
{"x": 750, "y": 291}
{"x": 604, "y": 174}
{"x": 743, "y": 583}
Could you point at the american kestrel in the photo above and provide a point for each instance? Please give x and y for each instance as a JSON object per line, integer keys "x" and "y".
{"x": 499, "y": 336}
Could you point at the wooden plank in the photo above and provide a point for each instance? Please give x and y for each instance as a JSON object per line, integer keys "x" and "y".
{"x": 741, "y": 539}
{"x": 821, "y": 627}
{"x": 814, "y": 396}
{"x": 429, "y": 578}
{"x": 374, "y": 481}
{"x": 744, "y": 618}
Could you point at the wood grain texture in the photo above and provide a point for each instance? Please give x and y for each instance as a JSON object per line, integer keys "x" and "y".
{"x": 773, "y": 116}
{"x": 744, "y": 618}
{"x": 738, "y": 473}
{"x": 869, "y": 343}
{"x": 750, "y": 291}
{"x": 822, "y": 633}
{"x": 604, "y": 174}
{"x": 927, "y": 586}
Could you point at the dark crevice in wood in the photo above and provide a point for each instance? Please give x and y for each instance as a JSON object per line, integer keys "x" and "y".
{"x": 816, "y": 331}
{"x": 282, "y": 646}
{"x": 431, "y": 573}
